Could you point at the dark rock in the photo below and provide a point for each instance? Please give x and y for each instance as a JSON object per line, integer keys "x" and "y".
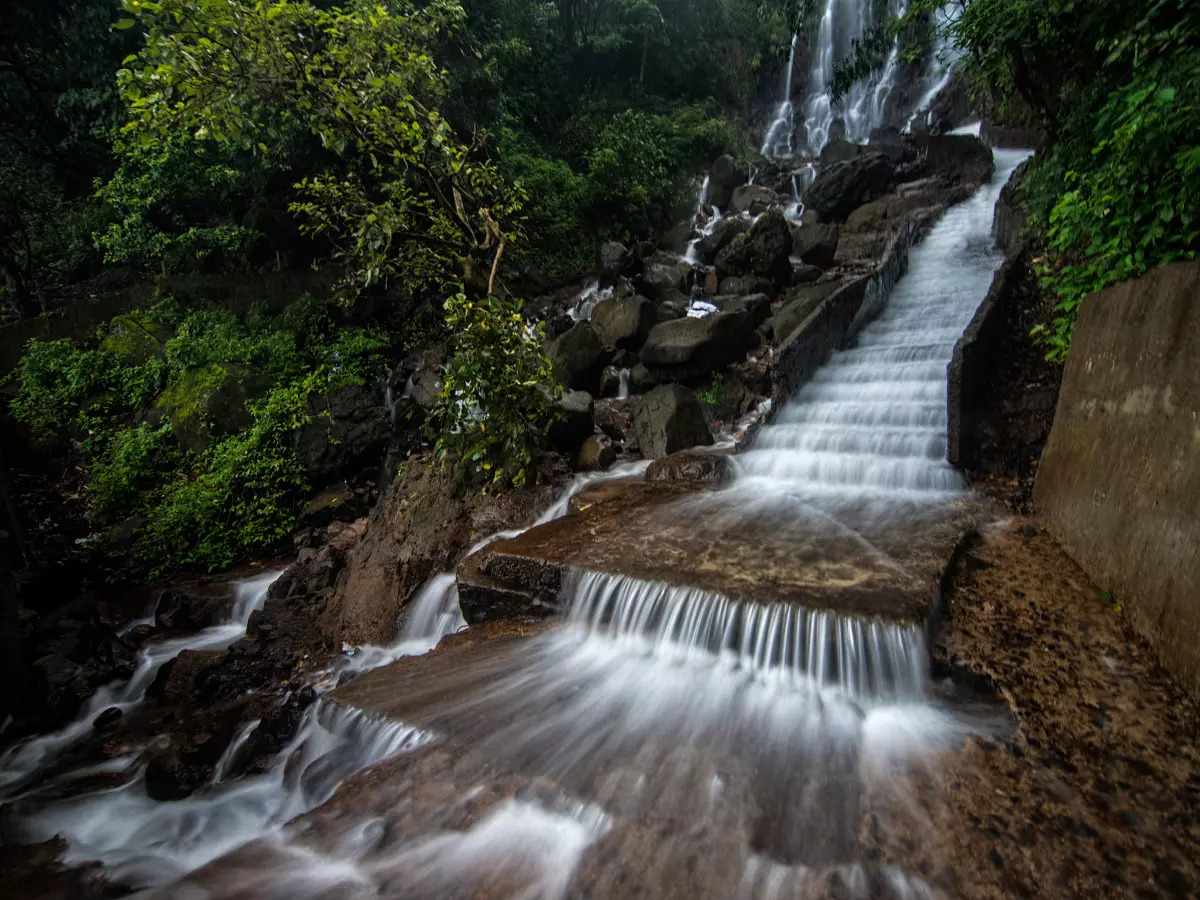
{"x": 837, "y": 129}
{"x": 695, "y": 346}
{"x": 870, "y": 216}
{"x": 753, "y": 199}
{"x": 427, "y": 379}
{"x": 815, "y": 245}
{"x": 740, "y": 285}
{"x": 136, "y": 337}
{"x": 757, "y": 306}
{"x": 730, "y": 172}
{"x": 108, "y": 718}
{"x": 192, "y": 608}
{"x": 613, "y": 258}
{"x": 642, "y": 378}
{"x": 691, "y": 465}
{"x": 770, "y": 245}
{"x": 719, "y": 238}
{"x": 840, "y": 151}
{"x": 801, "y": 302}
{"x": 610, "y": 381}
{"x": 890, "y": 142}
{"x": 176, "y": 681}
{"x": 844, "y": 186}
{"x": 333, "y": 506}
{"x": 66, "y": 682}
{"x": 343, "y": 427}
{"x": 574, "y": 424}
{"x": 669, "y": 419}
{"x": 959, "y": 157}
{"x": 623, "y": 324}
{"x": 615, "y": 419}
{"x": 662, "y": 276}
{"x": 578, "y": 357}
{"x": 596, "y": 454}
{"x": 167, "y": 778}
{"x": 210, "y": 402}
{"x": 803, "y": 273}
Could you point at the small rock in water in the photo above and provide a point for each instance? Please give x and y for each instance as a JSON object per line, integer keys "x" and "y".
{"x": 109, "y": 717}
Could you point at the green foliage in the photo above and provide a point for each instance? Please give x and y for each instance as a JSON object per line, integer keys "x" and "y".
{"x": 712, "y": 394}
{"x": 238, "y": 492}
{"x": 496, "y": 403}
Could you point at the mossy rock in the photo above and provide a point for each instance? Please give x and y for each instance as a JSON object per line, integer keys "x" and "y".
{"x": 136, "y": 337}
{"x": 211, "y": 402}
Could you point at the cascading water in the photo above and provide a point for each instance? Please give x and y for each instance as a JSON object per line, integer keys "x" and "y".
{"x": 585, "y": 302}
{"x": 781, "y": 132}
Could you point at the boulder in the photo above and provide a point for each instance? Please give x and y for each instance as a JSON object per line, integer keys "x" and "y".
{"x": 676, "y": 238}
{"x": 578, "y": 357}
{"x": 724, "y": 231}
{"x": 801, "y": 302}
{"x": 840, "y": 151}
{"x": 815, "y": 245}
{"x": 610, "y": 381}
{"x": 870, "y": 216}
{"x": 574, "y": 423}
{"x": 642, "y": 378}
{"x": 730, "y": 172}
{"x": 612, "y": 259}
{"x": 623, "y": 324}
{"x": 757, "y": 306}
{"x": 136, "y": 338}
{"x": 210, "y": 402}
{"x": 803, "y": 273}
{"x": 959, "y": 157}
{"x": 669, "y": 419}
{"x": 741, "y": 285}
{"x": 344, "y": 426}
{"x": 890, "y": 142}
{"x": 427, "y": 384}
{"x": 662, "y": 275}
{"x": 692, "y": 465}
{"x": 694, "y": 346}
{"x": 185, "y": 609}
{"x": 176, "y": 680}
{"x": 770, "y": 245}
{"x": 333, "y": 506}
{"x": 615, "y": 419}
{"x": 596, "y": 454}
{"x": 844, "y": 186}
{"x": 753, "y": 199}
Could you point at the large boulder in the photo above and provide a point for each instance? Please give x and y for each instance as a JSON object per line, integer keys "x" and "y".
{"x": 343, "y": 426}
{"x": 753, "y": 199}
{"x": 801, "y": 302}
{"x": 136, "y": 338}
{"x": 840, "y": 151}
{"x": 573, "y": 423}
{"x": 687, "y": 348}
{"x": 757, "y": 306}
{"x": 209, "y": 402}
{"x": 596, "y": 454}
{"x": 692, "y": 465}
{"x": 669, "y": 419}
{"x": 613, "y": 258}
{"x": 959, "y": 157}
{"x": 730, "y": 172}
{"x": 623, "y": 324}
{"x": 815, "y": 245}
{"x": 723, "y": 232}
{"x": 844, "y": 186}
{"x": 770, "y": 246}
{"x": 741, "y": 285}
{"x": 578, "y": 357}
{"x": 891, "y": 143}
{"x": 615, "y": 418}
{"x": 664, "y": 274}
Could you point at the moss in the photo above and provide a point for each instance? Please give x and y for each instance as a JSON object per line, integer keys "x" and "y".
{"x": 136, "y": 337}
{"x": 208, "y": 401}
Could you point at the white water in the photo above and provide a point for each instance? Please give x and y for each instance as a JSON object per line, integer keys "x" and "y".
{"x": 781, "y": 132}
{"x": 705, "y": 222}
{"x": 585, "y": 302}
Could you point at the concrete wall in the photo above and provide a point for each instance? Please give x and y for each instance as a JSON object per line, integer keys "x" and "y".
{"x": 1119, "y": 483}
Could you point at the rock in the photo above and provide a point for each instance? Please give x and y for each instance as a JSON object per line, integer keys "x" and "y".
{"x": 66, "y": 682}
{"x": 623, "y": 324}
{"x": 578, "y": 357}
{"x": 669, "y": 419}
{"x": 837, "y": 129}
{"x": 574, "y": 423}
{"x": 108, "y": 718}
{"x": 723, "y": 232}
{"x": 210, "y": 402}
{"x": 333, "y": 506}
{"x": 177, "y": 680}
{"x": 426, "y": 377}
{"x": 136, "y": 338}
{"x": 662, "y": 276}
{"x": 343, "y": 427}
{"x": 815, "y": 245}
{"x": 676, "y": 238}
{"x": 959, "y": 157}
{"x": 693, "y": 347}
{"x": 890, "y": 142}
{"x": 740, "y": 285}
{"x": 770, "y": 245}
{"x": 166, "y": 777}
{"x": 612, "y": 259}
{"x": 191, "y": 608}
{"x": 869, "y": 216}
{"x": 615, "y": 419}
{"x": 801, "y": 302}
{"x": 803, "y": 273}
{"x": 691, "y": 465}
{"x": 757, "y": 306}
{"x": 730, "y": 172}
{"x": 596, "y": 454}
{"x": 844, "y": 186}
{"x": 610, "y": 381}
{"x": 753, "y": 199}
{"x": 642, "y": 378}
{"x": 841, "y": 150}
{"x": 711, "y": 282}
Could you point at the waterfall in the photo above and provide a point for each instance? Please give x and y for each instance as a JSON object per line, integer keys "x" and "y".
{"x": 705, "y": 223}
{"x": 780, "y": 133}
{"x": 586, "y": 300}
{"x": 864, "y": 107}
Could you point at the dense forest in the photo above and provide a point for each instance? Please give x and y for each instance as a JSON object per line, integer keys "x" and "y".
{"x": 439, "y": 163}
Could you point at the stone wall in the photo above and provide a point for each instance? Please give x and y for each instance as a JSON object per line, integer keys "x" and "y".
{"x": 1119, "y": 483}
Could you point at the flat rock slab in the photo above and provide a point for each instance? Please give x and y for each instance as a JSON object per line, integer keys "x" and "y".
{"x": 856, "y": 560}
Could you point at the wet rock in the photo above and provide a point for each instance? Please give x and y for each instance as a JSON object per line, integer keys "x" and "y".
{"x": 610, "y": 381}
{"x": 803, "y": 273}
{"x": 615, "y": 419}
{"x": 663, "y": 275}
{"x": 192, "y": 608}
{"x": 753, "y": 199}
{"x": 740, "y": 285}
{"x": 690, "y": 465}
{"x": 669, "y": 419}
{"x": 801, "y": 302}
{"x": 623, "y": 324}
{"x": 210, "y": 402}
{"x": 959, "y": 157}
{"x": 841, "y": 150}
{"x": 694, "y": 346}
{"x": 815, "y": 245}
{"x": 757, "y": 306}
{"x": 613, "y": 258}
{"x": 844, "y": 186}
{"x": 176, "y": 680}
{"x": 108, "y": 718}
{"x": 763, "y": 251}
{"x": 722, "y": 234}
{"x": 574, "y": 423}
{"x": 870, "y": 216}
{"x": 730, "y": 172}
{"x": 66, "y": 682}
{"x": 642, "y": 379}
{"x": 676, "y": 238}
{"x": 596, "y": 454}
{"x": 333, "y": 506}
{"x": 891, "y": 143}
{"x": 578, "y": 357}
{"x": 344, "y": 426}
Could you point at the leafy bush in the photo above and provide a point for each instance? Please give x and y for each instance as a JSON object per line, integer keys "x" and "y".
{"x": 496, "y": 404}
